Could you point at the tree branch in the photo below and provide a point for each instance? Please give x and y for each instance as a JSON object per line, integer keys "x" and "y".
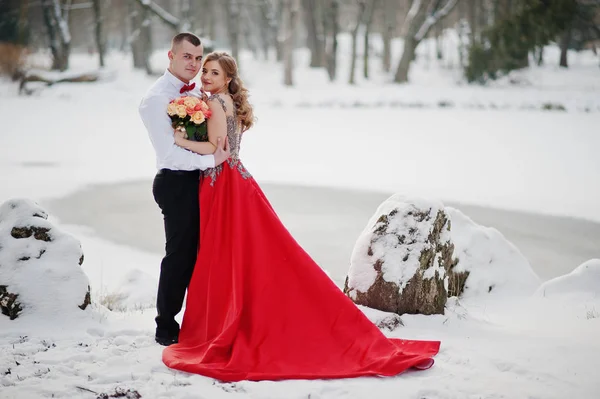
{"x": 412, "y": 13}
{"x": 161, "y": 13}
{"x": 434, "y": 19}
{"x": 63, "y": 27}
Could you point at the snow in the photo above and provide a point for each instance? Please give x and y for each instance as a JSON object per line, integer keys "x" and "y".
{"x": 495, "y": 266}
{"x": 583, "y": 282}
{"x": 435, "y": 138}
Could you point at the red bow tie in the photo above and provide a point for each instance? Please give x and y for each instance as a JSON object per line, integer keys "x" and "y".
{"x": 187, "y": 88}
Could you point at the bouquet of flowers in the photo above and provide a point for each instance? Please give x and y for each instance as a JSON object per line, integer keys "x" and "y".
{"x": 189, "y": 114}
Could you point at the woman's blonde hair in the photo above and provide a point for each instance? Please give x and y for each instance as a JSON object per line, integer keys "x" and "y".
{"x": 238, "y": 91}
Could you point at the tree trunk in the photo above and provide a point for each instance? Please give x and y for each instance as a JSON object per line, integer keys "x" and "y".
{"x": 146, "y": 40}
{"x": 50, "y": 27}
{"x": 245, "y": 27}
{"x": 209, "y": 12}
{"x": 389, "y": 16}
{"x": 315, "y": 38}
{"x": 141, "y": 36}
{"x": 368, "y": 22}
{"x": 331, "y": 26}
{"x": 187, "y": 23}
{"x": 23, "y": 27}
{"x": 564, "y": 47}
{"x": 420, "y": 19}
{"x": 58, "y": 32}
{"x": 280, "y": 31}
{"x": 438, "y": 41}
{"x": 473, "y": 21}
{"x": 410, "y": 45}
{"x": 359, "y": 17}
{"x": 153, "y": 9}
{"x": 414, "y": 22}
{"x": 125, "y": 27}
{"x": 267, "y": 17}
{"x": 264, "y": 37}
{"x": 290, "y": 10}
{"x": 98, "y": 31}
{"x": 137, "y": 50}
{"x": 540, "y": 56}
{"x": 233, "y": 21}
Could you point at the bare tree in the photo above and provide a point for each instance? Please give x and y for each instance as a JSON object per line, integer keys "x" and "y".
{"x": 472, "y": 16}
{"x": 268, "y": 25}
{"x": 281, "y": 31}
{"x": 55, "y": 18}
{"x": 169, "y": 19}
{"x": 331, "y": 28}
{"x": 290, "y": 10}
{"x": 140, "y": 38}
{"x": 389, "y": 18}
{"x": 565, "y": 39}
{"x": 421, "y": 17}
{"x": 186, "y": 22}
{"x": 439, "y": 34}
{"x": 368, "y": 22}
{"x": 232, "y": 8}
{"x": 98, "y": 30}
{"x": 316, "y": 43}
{"x": 146, "y": 42}
{"x": 124, "y": 9}
{"x": 359, "y": 18}
{"x": 201, "y": 17}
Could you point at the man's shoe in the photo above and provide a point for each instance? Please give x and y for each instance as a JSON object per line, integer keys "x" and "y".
{"x": 166, "y": 341}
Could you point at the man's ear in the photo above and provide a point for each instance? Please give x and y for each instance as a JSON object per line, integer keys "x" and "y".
{"x": 170, "y": 55}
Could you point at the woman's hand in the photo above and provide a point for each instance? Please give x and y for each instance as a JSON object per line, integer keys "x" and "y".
{"x": 180, "y": 137}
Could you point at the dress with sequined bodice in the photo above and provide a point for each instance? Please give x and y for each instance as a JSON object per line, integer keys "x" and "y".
{"x": 259, "y": 308}
{"x": 234, "y": 135}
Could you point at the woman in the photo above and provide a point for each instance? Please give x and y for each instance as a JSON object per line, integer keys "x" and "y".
{"x": 258, "y": 307}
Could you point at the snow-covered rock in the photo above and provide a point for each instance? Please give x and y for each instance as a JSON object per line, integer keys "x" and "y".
{"x": 494, "y": 264}
{"x": 583, "y": 282}
{"x": 416, "y": 253}
{"x": 40, "y": 266}
{"x": 403, "y": 260}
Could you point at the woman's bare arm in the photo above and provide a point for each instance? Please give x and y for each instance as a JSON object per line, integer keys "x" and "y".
{"x": 216, "y": 127}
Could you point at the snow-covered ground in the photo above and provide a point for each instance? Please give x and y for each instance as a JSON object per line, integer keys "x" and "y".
{"x": 435, "y": 137}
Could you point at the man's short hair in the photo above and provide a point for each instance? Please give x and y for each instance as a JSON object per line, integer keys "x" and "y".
{"x": 190, "y": 37}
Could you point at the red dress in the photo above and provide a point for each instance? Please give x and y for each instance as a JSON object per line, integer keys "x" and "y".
{"x": 259, "y": 308}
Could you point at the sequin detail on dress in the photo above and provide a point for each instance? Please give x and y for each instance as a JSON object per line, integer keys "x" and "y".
{"x": 234, "y": 136}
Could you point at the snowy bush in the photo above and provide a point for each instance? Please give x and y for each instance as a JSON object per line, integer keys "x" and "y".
{"x": 40, "y": 266}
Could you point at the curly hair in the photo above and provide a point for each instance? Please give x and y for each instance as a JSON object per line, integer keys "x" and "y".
{"x": 238, "y": 91}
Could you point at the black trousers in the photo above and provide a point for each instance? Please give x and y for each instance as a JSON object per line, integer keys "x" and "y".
{"x": 176, "y": 193}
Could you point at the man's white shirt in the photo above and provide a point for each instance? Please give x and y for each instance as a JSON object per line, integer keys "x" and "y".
{"x": 153, "y": 110}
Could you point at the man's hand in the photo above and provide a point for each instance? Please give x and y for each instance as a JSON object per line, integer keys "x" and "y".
{"x": 203, "y": 95}
{"x": 222, "y": 152}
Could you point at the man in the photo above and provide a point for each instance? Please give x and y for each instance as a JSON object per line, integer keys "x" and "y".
{"x": 175, "y": 186}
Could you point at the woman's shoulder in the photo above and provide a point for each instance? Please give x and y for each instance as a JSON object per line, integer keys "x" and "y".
{"x": 225, "y": 100}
